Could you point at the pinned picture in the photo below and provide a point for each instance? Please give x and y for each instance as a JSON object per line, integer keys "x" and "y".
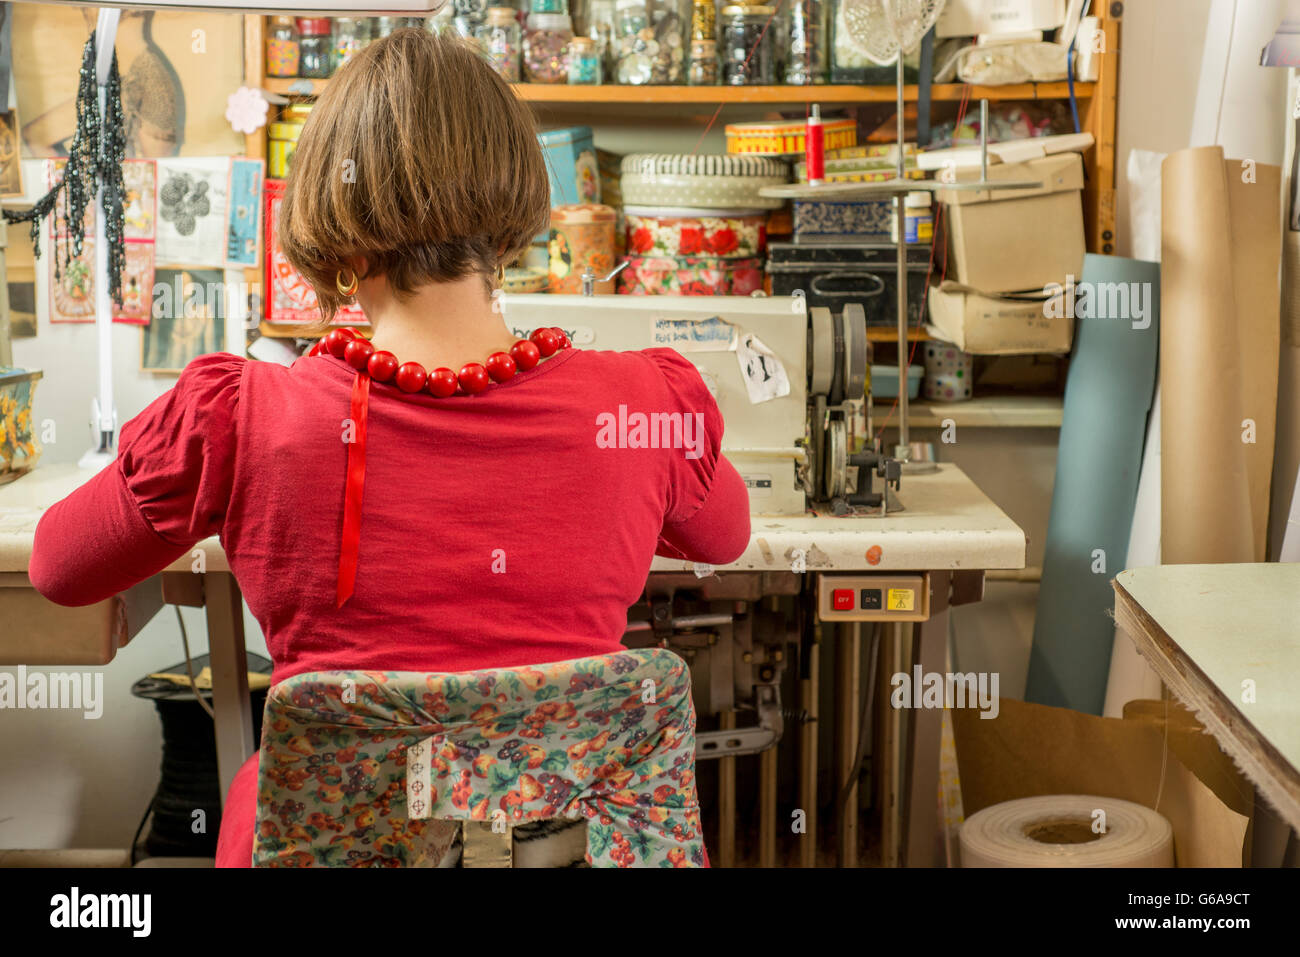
{"x": 72, "y": 291}
{"x": 245, "y": 218}
{"x": 188, "y": 319}
{"x": 20, "y": 270}
{"x": 192, "y": 211}
{"x": 137, "y": 285}
{"x": 11, "y": 169}
{"x": 140, "y": 178}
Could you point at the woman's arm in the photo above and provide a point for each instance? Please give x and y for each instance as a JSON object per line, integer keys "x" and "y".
{"x": 167, "y": 489}
{"x": 95, "y": 543}
{"x": 719, "y": 531}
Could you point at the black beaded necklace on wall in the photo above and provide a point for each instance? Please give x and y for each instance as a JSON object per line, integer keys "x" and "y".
{"x": 94, "y": 162}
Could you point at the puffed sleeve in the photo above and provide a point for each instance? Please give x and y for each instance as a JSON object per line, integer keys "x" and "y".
{"x": 167, "y": 489}
{"x": 707, "y": 519}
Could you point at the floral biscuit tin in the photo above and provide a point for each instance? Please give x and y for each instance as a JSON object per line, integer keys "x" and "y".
{"x": 690, "y": 276}
{"x": 730, "y": 237}
{"x": 582, "y": 235}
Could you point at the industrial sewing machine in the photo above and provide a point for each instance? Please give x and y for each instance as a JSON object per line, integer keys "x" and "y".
{"x": 791, "y": 384}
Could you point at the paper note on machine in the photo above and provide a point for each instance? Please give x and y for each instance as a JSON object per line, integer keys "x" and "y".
{"x": 714, "y": 334}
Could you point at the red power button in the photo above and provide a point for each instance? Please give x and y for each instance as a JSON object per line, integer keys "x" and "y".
{"x": 842, "y": 599}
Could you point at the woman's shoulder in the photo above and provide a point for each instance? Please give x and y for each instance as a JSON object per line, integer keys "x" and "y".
{"x": 648, "y": 369}
{"x": 209, "y": 385}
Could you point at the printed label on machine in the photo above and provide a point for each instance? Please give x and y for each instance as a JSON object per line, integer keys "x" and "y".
{"x": 578, "y": 335}
{"x": 759, "y": 484}
{"x": 902, "y": 599}
{"x": 765, "y": 376}
{"x": 714, "y": 334}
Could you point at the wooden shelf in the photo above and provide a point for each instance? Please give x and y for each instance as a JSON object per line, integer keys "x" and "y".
{"x": 989, "y": 412}
{"x": 890, "y": 334}
{"x": 711, "y": 96}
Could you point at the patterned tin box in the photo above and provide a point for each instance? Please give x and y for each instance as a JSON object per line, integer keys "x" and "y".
{"x": 289, "y": 297}
{"x": 728, "y": 237}
{"x": 571, "y": 160}
{"x": 571, "y": 163}
{"x": 706, "y": 181}
{"x": 582, "y": 235}
{"x": 19, "y": 448}
{"x": 786, "y": 137}
{"x": 690, "y": 276}
{"x": 832, "y": 275}
{"x": 819, "y": 221}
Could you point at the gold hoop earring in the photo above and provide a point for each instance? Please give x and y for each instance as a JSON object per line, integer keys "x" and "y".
{"x": 501, "y": 274}
{"x": 345, "y": 289}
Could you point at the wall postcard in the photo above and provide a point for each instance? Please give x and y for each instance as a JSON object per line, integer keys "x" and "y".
{"x": 244, "y": 221}
{"x": 188, "y": 319}
{"x": 192, "y": 197}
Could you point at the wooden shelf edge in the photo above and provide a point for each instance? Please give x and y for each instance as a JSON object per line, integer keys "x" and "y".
{"x": 988, "y": 412}
{"x": 713, "y": 95}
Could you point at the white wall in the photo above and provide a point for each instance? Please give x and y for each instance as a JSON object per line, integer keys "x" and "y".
{"x": 66, "y": 781}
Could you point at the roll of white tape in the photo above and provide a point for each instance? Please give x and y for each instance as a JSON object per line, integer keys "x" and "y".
{"x": 1067, "y": 830}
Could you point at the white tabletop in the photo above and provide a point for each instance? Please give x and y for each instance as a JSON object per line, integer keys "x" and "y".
{"x": 1226, "y": 641}
{"x": 947, "y": 523}
{"x": 24, "y": 499}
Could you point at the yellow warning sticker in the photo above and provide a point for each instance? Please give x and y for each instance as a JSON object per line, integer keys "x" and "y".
{"x": 902, "y": 599}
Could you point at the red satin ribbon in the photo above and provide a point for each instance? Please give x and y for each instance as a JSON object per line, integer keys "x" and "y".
{"x": 356, "y": 481}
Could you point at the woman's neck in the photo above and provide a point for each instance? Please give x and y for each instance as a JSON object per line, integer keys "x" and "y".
{"x": 441, "y": 324}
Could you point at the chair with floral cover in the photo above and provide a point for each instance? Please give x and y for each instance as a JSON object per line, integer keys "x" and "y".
{"x": 390, "y": 769}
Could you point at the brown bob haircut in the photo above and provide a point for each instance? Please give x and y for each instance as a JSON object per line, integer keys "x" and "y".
{"x": 419, "y": 159}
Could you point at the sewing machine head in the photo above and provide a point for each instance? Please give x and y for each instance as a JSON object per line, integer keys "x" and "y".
{"x": 790, "y": 383}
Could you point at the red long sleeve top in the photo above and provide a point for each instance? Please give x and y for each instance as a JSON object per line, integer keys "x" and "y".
{"x": 509, "y": 528}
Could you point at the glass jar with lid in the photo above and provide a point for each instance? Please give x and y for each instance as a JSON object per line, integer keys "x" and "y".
{"x": 350, "y": 35}
{"x": 746, "y": 47}
{"x": 595, "y": 19}
{"x": 501, "y": 40}
{"x": 584, "y": 62}
{"x": 650, "y": 47}
{"x": 282, "y": 50}
{"x": 469, "y": 16}
{"x": 546, "y": 47}
{"x": 806, "y": 56}
{"x": 703, "y": 69}
{"x": 315, "y": 46}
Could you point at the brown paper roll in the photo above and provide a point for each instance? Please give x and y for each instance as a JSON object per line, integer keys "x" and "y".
{"x": 1255, "y": 209}
{"x": 1220, "y": 242}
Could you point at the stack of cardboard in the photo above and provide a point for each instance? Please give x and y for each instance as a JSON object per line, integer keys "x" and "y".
{"x": 1011, "y": 255}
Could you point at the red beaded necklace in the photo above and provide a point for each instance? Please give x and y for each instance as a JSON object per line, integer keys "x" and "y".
{"x": 473, "y": 378}
{"x": 382, "y": 366}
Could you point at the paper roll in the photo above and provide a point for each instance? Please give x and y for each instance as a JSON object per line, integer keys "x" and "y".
{"x": 1099, "y": 460}
{"x": 1057, "y": 830}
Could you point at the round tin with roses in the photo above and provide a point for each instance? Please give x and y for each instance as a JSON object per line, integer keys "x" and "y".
{"x": 690, "y": 276}
{"x": 582, "y": 235}
{"x": 726, "y": 237}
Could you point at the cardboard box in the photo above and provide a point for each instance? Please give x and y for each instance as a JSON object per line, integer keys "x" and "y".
{"x": 1007, "y": 240}
{"x": 986, "y": 324}
{"x": 967, "y": 18}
